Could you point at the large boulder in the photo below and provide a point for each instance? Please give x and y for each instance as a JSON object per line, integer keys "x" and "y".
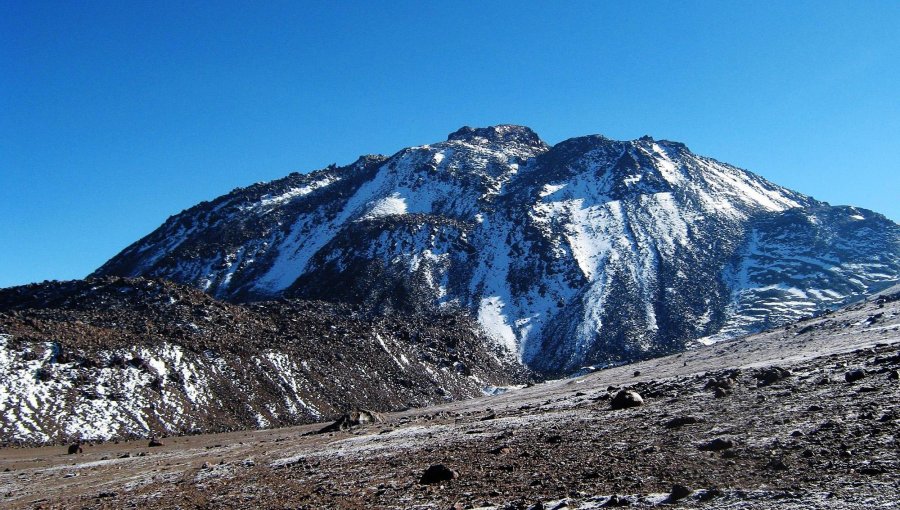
{"x": 625, "y": 399}
{"x": 357, "y": 418}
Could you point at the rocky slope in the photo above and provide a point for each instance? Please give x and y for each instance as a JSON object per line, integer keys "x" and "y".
{"x": 113, "y": 358}
{"x": 592, "y": 251}
{"x": 805, "y": 416}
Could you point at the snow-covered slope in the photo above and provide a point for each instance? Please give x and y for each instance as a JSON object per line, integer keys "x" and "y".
{"x": 590, "y": 251}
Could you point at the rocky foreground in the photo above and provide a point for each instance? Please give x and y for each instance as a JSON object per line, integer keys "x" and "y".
{"x": 804, "y": 416}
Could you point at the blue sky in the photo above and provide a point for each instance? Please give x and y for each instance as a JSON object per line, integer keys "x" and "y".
{"x": 116, "y": 115}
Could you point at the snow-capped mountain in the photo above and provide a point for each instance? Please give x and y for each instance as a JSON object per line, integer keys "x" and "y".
{"x": 589, "y": 251}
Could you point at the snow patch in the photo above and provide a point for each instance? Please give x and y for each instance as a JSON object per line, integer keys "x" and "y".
{"x": 491, "y": 318}
{"x": 388, "y": 206}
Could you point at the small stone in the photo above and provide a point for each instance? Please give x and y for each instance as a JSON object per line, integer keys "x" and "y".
{"x": 771, "y": 375}
{"x": 854, "y": 375}
{"x": 679, "y": 492}
{"x": 501, "y": 450}
{"x": 870, "y": 470}
{"x": 777, "y": 465}
{"x": 437, "y": 473}
{"x": 716, "y": 445}
{"x": 725, "y": 383}
{"x": 680, "y": 421}
{"x": 155, "y": 442}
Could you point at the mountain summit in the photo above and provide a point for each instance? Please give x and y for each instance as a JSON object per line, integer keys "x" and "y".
{"x": 590, "y": 251}
{"x": 504, "y": 133}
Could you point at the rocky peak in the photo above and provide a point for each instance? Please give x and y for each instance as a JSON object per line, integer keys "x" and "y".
{"x": 500, "y": 134}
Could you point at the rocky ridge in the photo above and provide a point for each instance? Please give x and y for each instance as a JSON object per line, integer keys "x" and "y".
{"x": 113, "y": 358}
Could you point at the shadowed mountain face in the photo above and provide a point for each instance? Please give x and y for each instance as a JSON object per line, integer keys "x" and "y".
{"x": 591, "y": 251}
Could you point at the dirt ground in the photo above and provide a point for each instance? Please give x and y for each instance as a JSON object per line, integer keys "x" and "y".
{"x": 719, "y": 422}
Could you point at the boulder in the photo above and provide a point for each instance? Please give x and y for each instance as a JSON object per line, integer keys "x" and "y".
{"x": 437, "y": 473}
{"x": 357, "y": 418}
{"x": 680, "y": 421}
{"x": 716, "y": 445}
{"x": 625, "y": 399}
{"x": 679, "y": 492}
{"x": 854, "y": 375}
{"x": 771, "y": 375}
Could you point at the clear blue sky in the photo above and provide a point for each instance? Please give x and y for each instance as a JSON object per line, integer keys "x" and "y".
{"x": 115, "y": 115}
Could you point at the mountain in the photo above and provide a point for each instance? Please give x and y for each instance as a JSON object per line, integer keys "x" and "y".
{"x": 114, "y": 358}
{"x": 592, "y": 251}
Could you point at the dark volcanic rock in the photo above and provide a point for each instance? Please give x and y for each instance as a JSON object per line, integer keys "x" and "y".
{"x": 625, "y": 399}
{"x": 678, "y": 492}
{"x": 854, "y": 375}
{"x": 437, "y": 473}
{"x": 716, "y": 445}
{"x": 771, "y": 375}
{"x": 680, "y": 421}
